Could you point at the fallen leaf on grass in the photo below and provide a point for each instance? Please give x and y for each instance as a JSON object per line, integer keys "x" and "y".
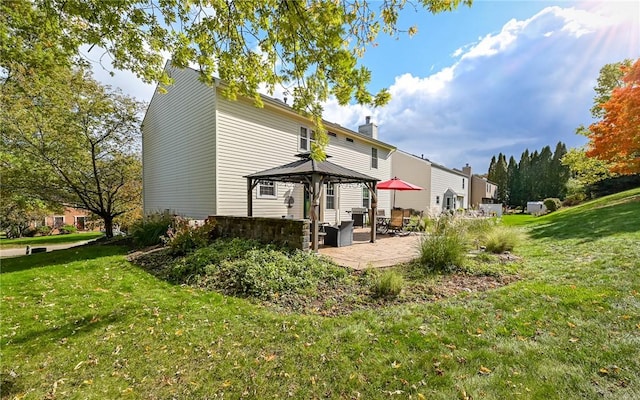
{"x": 570, "y": 325}
{"x": 484, "y": 370}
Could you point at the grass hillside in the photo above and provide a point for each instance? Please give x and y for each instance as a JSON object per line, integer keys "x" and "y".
{"x": 85, "y": 323}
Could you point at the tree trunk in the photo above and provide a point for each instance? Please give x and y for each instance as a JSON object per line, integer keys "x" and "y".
{"x": 108, "y": 226}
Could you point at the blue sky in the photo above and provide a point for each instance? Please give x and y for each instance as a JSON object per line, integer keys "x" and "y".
{"x": 500, "y": 76}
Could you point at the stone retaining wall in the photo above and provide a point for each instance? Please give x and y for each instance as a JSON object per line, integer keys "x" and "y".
{"x": 291, "y": 233}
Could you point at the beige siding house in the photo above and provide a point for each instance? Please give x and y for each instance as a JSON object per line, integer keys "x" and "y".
{"x": 483, "y": 191}
{"x": 199, "y": 146}
{"x": 445, "y": 189}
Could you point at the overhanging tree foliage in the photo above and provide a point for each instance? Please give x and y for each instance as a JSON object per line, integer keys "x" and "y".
{"x": 68, "y": 140}
{"x": 311, "y": 47}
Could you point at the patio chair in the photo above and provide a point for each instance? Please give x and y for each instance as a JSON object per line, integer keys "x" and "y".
{"x": 339, "y": 236}
{"x": 397, "y": 219}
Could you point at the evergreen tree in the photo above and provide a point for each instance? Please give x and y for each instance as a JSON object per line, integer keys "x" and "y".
{"x": 561, "y": 172}
{"x": 544, "y": 179}
{"x": 512, "y": 179}
{"x": 524, "y": 175}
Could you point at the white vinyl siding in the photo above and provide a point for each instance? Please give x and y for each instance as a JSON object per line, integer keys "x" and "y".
{"x": 179, "y": 148}
{"x": 442, "y": 180}
{"x": 356, "y": 155}
{"x": 249, "y": 140}
{"x": 417, "y": 171}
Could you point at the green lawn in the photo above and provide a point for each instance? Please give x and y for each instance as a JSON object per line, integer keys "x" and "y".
{"x": 88, "y": 324}
{"x": 53, "y": 239}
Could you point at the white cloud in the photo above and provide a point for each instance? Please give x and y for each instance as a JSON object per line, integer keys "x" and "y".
{"x": 528, "y": 86}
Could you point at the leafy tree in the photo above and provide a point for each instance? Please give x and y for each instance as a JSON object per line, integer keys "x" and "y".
{"x": 310, "y": 47}
{"x": 610, "y": 77}
{"x": 19, "y": 213}
{"x": 585, "y": 170}
{"x": 68, "y": 140}
{"x": 616, "y": 138}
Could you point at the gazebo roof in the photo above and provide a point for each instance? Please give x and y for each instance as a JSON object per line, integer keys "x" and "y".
{"x": 300, "y": 171}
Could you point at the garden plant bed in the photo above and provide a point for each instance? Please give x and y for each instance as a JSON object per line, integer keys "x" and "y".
{"x": 353, "y": 293}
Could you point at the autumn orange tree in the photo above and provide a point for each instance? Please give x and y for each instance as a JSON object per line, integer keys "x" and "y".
{"x": 616, "y": 138}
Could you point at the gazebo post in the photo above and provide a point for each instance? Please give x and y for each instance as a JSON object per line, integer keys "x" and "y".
{"x": 315, "y": 203}
{"x": 249, "y": 198}
{"x": 373, "y": 218}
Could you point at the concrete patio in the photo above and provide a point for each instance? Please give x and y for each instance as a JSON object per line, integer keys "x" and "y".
{"x": 388, "y": 250}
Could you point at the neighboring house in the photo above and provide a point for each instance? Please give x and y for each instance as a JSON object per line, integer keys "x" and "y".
{"x": 444, "y": 188}
{"x": 71, "y": 216}
{"x": 449, "y": 188}
{"x": 482, "y": 191}
{"x": 197, "y": 148}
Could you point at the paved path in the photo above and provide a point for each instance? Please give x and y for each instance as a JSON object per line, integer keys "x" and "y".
{"x": 21, "y": 251}
{"x": 388, "y": 250}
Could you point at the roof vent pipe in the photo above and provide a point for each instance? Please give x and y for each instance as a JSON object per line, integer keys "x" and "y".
{"x": 367, "y": 119}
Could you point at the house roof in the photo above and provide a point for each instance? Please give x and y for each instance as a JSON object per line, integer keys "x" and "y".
{"x": 301, "y": 170}
{"x": 284, "y": 107}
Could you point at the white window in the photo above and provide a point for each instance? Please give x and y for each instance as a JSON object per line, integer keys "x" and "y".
{"x": 366, "y": 197}
{"x": 81, "y": 223}
{"x": 306, "y": 138}
{"x": 330, "y": 203}
{"x": 267, "y": 190}
{"x": 58, "y": 221}
{"x": 374, "y": 158}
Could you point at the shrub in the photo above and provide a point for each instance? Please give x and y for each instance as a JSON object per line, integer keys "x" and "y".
{"x": 552, "y": 204}
{"x": 186, "y": 238}
{"x": 574, "y": 199}
{"x": 44, "y": 230}
{"x": 67, "y": 229}
{"x": 502, "y": 239}
{"x": 29, "y": 232}
{"x": 387, "y": 284}
{"x": 149, "y": 230}
{"x": 444, "y": 248}
{"x": 196, "y": 264}
{"x": 246, "y": 268}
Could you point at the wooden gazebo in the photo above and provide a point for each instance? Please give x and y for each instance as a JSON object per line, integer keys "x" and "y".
{"x": 314, "y": 174}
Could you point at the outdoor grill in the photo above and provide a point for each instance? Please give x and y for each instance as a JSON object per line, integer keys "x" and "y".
{"x": 358, "y": 216}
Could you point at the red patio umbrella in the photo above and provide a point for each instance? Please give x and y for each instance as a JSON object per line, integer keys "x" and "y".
{"x": 397, "y": 184}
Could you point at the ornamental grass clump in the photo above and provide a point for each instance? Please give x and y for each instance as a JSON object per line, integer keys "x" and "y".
{"x": 149, "y": 230}
{"x": 445, "y": 247}
{"x": 387, "y": 284}
{"x": 501, "y": 239}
